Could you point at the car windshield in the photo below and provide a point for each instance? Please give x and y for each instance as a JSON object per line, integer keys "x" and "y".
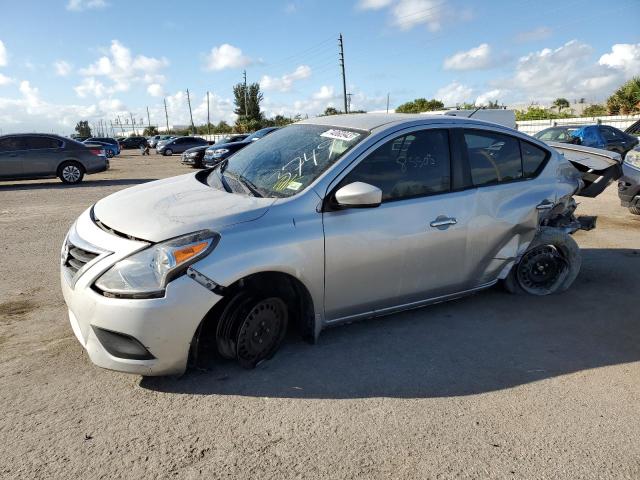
{"x": 286, "y": 161}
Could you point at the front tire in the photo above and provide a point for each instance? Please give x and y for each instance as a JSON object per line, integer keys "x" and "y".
{"x": 168, "y": 152}
{"x": 251, "y": 328}
{"x": 635, "y": 210}
{"x": 71, "y": 173}
{"x": 550, "y": 265}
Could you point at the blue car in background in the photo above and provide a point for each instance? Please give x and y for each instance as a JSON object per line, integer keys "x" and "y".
{"x": 110, "y": 149}
{"x": 595, "y": 136}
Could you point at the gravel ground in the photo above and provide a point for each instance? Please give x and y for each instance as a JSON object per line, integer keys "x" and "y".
{"x": 490, "y": 386}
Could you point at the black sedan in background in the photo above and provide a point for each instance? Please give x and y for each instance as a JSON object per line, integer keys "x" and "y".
{"x": 133, "y": 142}
{"x": 194, "y": 156}
{"x": 216, "y": 153}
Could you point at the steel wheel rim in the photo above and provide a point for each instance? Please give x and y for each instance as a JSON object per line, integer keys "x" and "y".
{"x": 71, "y": 173}
{"x": 541, "y": 268}
{"x": 261, "y": 331}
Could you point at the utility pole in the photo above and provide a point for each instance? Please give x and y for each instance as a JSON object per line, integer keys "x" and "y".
{"x": 166, "y": 115}
{"x": 133, "y": 124}
{"x": 244, "y": 73}
{"x": 349, "y": 102}
{"x": 121, "y": 127}
{"x": 148, "y": 118}
{"x": 387, "y": 102}
{"x": 208, "y": 121}
{"x": 344, "y": 80}
{"x": 193, "y": 127}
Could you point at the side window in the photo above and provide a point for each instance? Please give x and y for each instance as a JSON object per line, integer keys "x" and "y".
{"x": 493, "y": 157}
{"x": 11, "y": 144}
{"x": 533, "y": 159}
{"x": 41, "y": 142}
{"x": 413, "y": 165}
{"x": 609, "y": 134}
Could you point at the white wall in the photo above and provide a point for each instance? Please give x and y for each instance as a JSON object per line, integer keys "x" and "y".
{"x": 619, "y": 121}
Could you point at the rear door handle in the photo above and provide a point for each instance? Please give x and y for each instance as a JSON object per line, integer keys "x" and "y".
{"x": 443, "y": 222}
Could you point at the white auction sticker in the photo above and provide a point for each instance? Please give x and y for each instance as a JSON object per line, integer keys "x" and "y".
{"x": 294, "y": 186}
{"x": 345, "y": 135}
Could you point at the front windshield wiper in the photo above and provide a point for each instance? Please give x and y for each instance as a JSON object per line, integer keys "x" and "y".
{"x": 246, "y": 183}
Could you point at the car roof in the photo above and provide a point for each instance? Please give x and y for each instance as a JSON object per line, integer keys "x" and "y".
{"x": 372, "y": 121}
{"x": 35, "y": 135}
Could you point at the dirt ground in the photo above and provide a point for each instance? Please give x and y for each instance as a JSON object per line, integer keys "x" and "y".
{"x": 490, "y": 386}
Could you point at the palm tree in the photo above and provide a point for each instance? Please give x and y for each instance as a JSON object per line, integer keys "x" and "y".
{"x": 561, "y": 103}
{"x": 626, "y": 99}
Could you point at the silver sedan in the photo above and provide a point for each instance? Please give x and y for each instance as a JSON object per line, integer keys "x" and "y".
{"x": 326, "y": 221}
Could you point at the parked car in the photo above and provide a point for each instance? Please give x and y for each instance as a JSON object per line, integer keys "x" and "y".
{"x": 180, "y": 144}
{"x": 132, "y": 142}
{"x": 634, "y": 129}
{"x": 193, "y": 157}
{"x": 32, "y": 155}
{"x": 164, "y": 140}
{"x": 629, "y": 184}
{"x": 322, "y": 222}
{"x": 153, "y": 141}
{"x": 220, "y": 151}
{"x": 112, "y": 141}
{"x": 110, "y": 149}
{"x": 596, "y": 136}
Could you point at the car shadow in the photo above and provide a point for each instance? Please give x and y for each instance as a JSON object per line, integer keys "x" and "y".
{"x": 5, "y": 186}
{"x": 486, "y": 342}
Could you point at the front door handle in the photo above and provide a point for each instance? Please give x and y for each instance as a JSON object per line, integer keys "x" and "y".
{"x": 443, "y": 222}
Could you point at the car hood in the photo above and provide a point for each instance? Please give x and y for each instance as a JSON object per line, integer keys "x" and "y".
{"x": 196, "y": 149}
{"x": 224, "y": 145}
{"x": 163, "y": 209}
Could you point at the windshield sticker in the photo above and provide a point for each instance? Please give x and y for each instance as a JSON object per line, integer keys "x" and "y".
{"x": 336, "y": 134}
{"x": 294, "y": 186}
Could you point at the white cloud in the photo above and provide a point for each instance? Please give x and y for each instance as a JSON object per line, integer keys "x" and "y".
{"x": 4, "y": 80}
{"x": 226, "y": 56}
{"x": 624, "y": 57}
{"x": 454, "y": 93}
{"x": 122, "y": 68}
{"x": 490, "y": 96}
{"x": 535, "y": 35}
{"x": 155, "y": 90}
{"x": 326, "y": 92}
{"x": 80, "y": 5}
{"x": 62, "y": 68}
{"x": 374, "y": 4}
{"x": 476, "y": 58}
{"x": 90, "y": 86}
{"x": 3, "y": 55}
{"x": 285, "y": 83}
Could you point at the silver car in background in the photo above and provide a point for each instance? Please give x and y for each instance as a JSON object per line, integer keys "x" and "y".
{"x": 323, "y": 222}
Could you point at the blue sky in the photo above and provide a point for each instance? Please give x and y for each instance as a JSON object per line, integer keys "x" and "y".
{"x": 65, "y": 60}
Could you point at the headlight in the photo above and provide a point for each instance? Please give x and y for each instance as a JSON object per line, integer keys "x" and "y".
{"x": 146, "y": 274}
{"x": 217, "y": 153}
{"x": 633, "y": 158}
{"x": 192, "y": 154}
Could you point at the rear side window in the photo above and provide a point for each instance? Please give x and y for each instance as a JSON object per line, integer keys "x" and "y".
{"x": 493, "y": 157}
{"x": 412, "y": 165}
{"x": 533, "y": 159}
{"x": 36, "y": 143}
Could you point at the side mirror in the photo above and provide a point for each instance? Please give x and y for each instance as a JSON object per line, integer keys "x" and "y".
{"x": 358, "y": 195}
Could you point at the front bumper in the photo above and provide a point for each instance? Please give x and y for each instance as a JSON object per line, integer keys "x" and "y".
{"x": 629, "y": 186}
{"x": 164, "y": 326}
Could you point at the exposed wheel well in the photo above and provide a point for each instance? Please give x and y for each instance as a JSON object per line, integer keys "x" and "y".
{"x": 290, "y": 289}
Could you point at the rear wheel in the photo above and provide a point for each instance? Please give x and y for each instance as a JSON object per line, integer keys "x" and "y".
{"x": 168, "y": 152}
{"x": 635, "y": 210}
{"x": 71, "y": 172}
{"x": 550, "y": 265}
{"x": 251, "y": 328}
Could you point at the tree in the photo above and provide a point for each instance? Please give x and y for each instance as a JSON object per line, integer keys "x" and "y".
{"x": 420, "y": 105}
{"x": 535, "y": 112}
{"x": 83, "y": 129}
{"x": 626, "y": 99}
{"x": 331, "y": 111}
{"x": 493, "y": 104}
{"x": 253, "y": 98}
{"x": 595, "y": 110}
{"x": 561, "y": 103}
{"x": 150, "y": 131}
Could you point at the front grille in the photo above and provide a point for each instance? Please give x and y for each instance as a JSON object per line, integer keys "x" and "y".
{"x": 76, "y": 258}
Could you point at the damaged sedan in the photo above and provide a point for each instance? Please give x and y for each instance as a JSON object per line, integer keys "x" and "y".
{"x": 323, "y": 222}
